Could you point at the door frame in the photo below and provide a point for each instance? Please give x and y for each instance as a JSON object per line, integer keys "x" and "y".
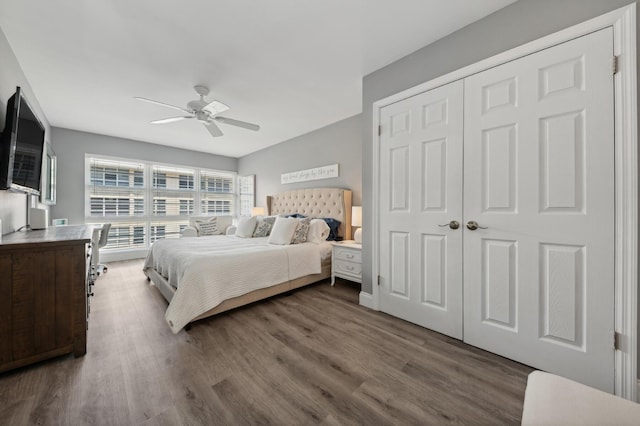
{"x": 623, "y": 21}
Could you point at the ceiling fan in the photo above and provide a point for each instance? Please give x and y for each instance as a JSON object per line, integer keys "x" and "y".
{"x": 204, "y": 111}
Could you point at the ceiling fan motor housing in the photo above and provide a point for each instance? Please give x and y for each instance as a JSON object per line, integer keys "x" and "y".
{"x": 197, "y": 105}
{"x": 202, "y": 116}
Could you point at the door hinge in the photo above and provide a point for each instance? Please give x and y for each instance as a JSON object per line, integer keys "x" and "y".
{"x": 616, "y": 340}
{"x": 379, "y": 130}
{"x": 378, "y": 280}
{"x": 615, "y": 64}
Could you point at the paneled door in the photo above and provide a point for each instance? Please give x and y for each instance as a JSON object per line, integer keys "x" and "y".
{"x": 421, "y": 209}
{"x": 539, "y": 183}
{"x": 527, "y": 148}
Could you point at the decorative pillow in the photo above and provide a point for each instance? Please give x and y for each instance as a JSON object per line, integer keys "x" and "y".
{"x": 333, "y": 229}
{"x": 263, "y": 229}
{"x": 318, "y": 231}
{"x": 283, "y": 230}
{"x": 246, "y": 226}
{"x": 208, "y": 228}
{"x": 296, "y": 215}
{"x": 302, "y": 229}
{"x": 213, "y": 220}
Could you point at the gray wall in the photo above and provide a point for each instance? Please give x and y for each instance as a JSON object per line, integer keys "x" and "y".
{"x": 337, "y": 143}
{"x": 72, "y": 145}
{"x": 516, "y": 24}
{"x": 13, "y": 206}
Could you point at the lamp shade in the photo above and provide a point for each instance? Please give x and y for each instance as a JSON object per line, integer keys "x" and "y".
{"x": 257, "y": 211}
{"x": 356, "y": 216}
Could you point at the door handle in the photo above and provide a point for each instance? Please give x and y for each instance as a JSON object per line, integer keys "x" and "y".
{"x": 472, "y": 225}
{"x": 454, "y": 224}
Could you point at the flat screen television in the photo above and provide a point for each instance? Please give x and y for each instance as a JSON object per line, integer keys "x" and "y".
{"x": 21, "y": 148}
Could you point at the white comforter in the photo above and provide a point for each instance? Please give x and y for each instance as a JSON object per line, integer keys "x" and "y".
{"x": 208, "y": 270}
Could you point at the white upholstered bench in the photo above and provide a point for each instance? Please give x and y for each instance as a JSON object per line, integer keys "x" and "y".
{"x": 224, "y": 224}
{"x": 554, "y": 400}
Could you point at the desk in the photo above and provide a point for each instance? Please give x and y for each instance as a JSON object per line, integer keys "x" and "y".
{"x": 43, "y": 294}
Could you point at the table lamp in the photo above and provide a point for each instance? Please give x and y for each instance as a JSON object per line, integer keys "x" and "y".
{"x": 356, "y": 221}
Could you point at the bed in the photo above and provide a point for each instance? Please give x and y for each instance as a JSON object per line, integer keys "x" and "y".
{"x": 215, "y": 274}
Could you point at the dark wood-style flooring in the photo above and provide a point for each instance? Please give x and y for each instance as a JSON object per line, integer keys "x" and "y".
{"x": 312, "y": 357}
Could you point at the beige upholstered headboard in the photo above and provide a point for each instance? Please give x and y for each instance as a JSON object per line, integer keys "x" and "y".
{"x": 315, "y": 202}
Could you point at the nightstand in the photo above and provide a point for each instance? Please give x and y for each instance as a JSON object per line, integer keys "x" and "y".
{"x": 346, "y": 261}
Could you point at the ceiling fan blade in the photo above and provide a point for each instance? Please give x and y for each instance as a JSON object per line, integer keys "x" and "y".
{"x": 233, "y": 122}
{"x": 213, "y": 129}
{"x": 171, "y": 120}
{"x": 162, "y": 104}
{"x": 215, "y": 107}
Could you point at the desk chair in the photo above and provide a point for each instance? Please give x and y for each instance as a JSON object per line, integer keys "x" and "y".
{"x": 98, "y": 240}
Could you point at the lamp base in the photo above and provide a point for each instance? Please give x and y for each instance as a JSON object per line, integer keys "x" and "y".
{"x": 357, "y": 236}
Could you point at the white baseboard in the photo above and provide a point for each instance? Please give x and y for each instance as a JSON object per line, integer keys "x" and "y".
{"x": 366, "y": 300}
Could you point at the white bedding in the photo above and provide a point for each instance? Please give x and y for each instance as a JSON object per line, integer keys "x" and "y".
{"x": 209, "y": 270}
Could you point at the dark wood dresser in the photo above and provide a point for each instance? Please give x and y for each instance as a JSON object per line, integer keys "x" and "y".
{"x": 43, "y": 294}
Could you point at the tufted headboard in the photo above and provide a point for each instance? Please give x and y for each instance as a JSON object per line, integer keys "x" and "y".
{"x": 315, "y": 202}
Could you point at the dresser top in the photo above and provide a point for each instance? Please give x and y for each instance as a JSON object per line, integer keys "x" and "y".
{"x": 52, "y": 235}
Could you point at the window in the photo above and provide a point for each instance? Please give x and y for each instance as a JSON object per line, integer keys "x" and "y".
{"x": 216, "y": 193}
{"x": 185, "y": 181}
{"x": 146, "y": 202}
{"x": 116, "y": 189}
{"x": 159, "y": 180}
{"x": 247, "y": 194}
{"x": 216, "y": 207}
{"x": 159, "y": 207}
{"x": 114, "y": 173}
{"x": 186, "y": 207}
{"x": 125, "y": 235}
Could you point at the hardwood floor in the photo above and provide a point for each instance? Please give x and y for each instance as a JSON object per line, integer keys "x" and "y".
{"x": 312, "y": 357}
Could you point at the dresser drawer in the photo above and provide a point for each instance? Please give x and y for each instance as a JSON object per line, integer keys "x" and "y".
{"x": 346, "y": 267}
{"x": 347, "y": 254}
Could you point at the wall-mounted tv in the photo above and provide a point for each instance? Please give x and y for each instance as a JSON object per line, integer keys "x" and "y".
{"x": 21, "y": 147}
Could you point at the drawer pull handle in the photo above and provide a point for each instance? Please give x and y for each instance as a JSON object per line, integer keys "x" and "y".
{"x": 350, "y": 256}
{"x": 350, "y": 268}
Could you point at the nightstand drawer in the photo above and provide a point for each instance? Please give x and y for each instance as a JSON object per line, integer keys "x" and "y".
{"x": 346, "y": 262}
{"x": 347, "y": 254}
{"x": 346, "y": 267}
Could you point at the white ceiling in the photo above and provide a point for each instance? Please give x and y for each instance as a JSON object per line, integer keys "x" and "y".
{"x": 291, "y": 66}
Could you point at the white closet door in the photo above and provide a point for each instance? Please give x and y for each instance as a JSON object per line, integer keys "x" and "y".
{"x": 539, "y": 174}
{"x": 421, "y": 190}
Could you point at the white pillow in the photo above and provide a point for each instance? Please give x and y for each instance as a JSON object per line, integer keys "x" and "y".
{"x": 246, "y": 226}
{"x": 318, "y": 231}
{"x": 203, "y": 226}
{"x": 208, "y": 228}
{"x": 283, "y": 230}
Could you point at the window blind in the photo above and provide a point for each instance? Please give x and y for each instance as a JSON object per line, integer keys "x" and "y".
{"x": 116, "y": 189}
{"x": 146, "y": 202}
{"x": 217, "y": 193}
